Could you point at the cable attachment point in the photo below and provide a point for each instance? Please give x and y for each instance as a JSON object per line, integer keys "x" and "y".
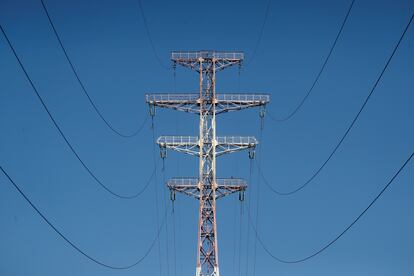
{"x": 252, "y": 153}
{"x": 163, "y": 153}
{"x": 262, "y": 114}
{"x": 152, "y": 114}
{"x": 172, "y": 198}
{"x": 241, "y": 195}
{"x": 172, "y": 195}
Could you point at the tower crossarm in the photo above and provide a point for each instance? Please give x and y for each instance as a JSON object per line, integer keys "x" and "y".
{"x": 187, "y": 102}
{"x": 229, "y": 144}
{"x": 191, "y": 59}
{"x": 190, "y": 102}
{"x": 191, "y": 144}
{"x": 185, "y": 185}
{"x": 191, "y": 186}
{"x": 227, "y": 186}
{"x": 186, "y": 144}
{"x": 226, "y": 102}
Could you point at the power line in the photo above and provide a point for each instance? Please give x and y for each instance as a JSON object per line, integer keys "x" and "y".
{"x": 135, "y": 132}
{"x": 258, "y": 199}
{"x": 259, "y": 39}
{"x": 174, "y": 243}
{"x": 156, "y": 195}
{"x": 147, "y": 31}
{"x": 234, "y": 235}
{"x": 349, "y": 127}
{"x": 283, "y": 119}
{"x": 240, "y": 238}
{"x": 249, "y": 202}
{"x": 97, "y": 180}
{"x": 71, "y": 243}
{"x": 166, "y": 225}
{"x": 338, "y": 236}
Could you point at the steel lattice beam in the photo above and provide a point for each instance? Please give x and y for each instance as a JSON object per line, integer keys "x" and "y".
{"x": 225, "y": 102}
{"x": 191, "y": 144}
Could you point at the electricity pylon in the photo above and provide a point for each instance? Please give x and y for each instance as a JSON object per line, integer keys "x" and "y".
{"x": 207, "y": 146}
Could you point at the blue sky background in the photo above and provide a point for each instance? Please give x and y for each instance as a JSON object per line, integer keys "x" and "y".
{"x": 107, "y": 43}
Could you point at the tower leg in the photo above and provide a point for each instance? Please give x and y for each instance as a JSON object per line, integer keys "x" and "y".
{"x": 207, "y": 263}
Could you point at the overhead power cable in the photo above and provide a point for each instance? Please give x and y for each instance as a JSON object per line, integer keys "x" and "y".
{"x": 249, "y": 204}
{"x": 293, "y": 261}
{"x": 290, "y": 115}
{"x": 167, "y": 248}
{"x": 97, "y": 180}
{"x": 74, "y": 245}
{"x": 259, "y": 39}
{"x": 258, "y": 198}
{"x": 156, "y": 195}
{"x": 174, "y": 242}
{"x": 349, "y": 127}
{"x": 148, "y": 33}
{"x": 140, "y": 126}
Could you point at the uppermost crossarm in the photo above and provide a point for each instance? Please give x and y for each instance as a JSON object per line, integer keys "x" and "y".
{"x": 208, "y": 59}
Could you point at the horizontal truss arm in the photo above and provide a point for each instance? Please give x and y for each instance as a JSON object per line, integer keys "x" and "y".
{"x": 190, "y": 102}
{"x": 190, "y": 144}
{"x": 190, "y": 186}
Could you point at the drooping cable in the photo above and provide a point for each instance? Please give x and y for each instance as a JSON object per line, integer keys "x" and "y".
{"x": 234, "y": 236}
{"x": 240, "y": 238}
{"x": 147, "y": 31}
{"x": 349, "y": 127}
{"x": 178, "y": 169}
{"x": 290, "y": 115}
{"x": 97, "y": 180}
{"x": 72, "y": 244}
{"x": 259, "y": 39}
{"x": 179, "y": 235}
{"x": 156, "y": 193}
{"x": 267, "y": 250}
{"x": 65, "y": 52}
{"x": 166, "y": 225}
{"x": 174, "y": 243}
{"x": 258, "y": 197}
{"x": 249, "y": 200}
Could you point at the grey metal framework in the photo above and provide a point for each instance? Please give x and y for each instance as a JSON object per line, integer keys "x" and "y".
{"x": 191, "y": 102}
{"x": 190, "y": 144}
{"x": 206, "y": 146}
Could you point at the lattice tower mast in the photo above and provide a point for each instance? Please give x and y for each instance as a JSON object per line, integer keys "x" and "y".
{"x": 207, "y": 188}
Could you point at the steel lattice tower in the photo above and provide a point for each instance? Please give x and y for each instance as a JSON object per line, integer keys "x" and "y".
{"x": 207, "y": 188}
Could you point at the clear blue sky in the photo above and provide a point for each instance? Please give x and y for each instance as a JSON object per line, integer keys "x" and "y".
{"x": 108, "y": 45}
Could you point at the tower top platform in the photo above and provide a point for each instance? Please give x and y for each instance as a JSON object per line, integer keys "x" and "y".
{"x": 191, "y": 56}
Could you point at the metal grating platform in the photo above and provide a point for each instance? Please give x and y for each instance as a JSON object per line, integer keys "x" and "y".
{"x": 206, "y": 54}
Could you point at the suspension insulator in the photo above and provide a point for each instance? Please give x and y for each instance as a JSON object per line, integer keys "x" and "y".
{"x": 241, "y": 196}
{"x": 262, "y": 112}
{"x": 172, "y": 195}
{"x": 251, "y": 153}
{"x": 163, "y": 153}
{"x": 152, "y": 110}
